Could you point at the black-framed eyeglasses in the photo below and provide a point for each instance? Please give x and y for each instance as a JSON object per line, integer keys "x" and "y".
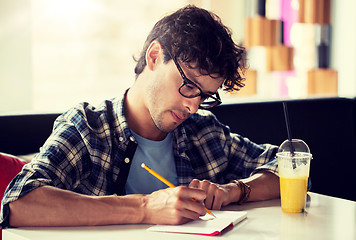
{"x": 189, "y": 89}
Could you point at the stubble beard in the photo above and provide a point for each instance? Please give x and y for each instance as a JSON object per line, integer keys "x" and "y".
{"x": 158, "y": 115}
{"x": 158, "y": 121}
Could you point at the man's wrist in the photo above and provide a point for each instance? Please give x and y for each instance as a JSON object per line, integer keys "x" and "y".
{"x": 132, "y": 208}
{"x": 144, "y": 209}
{"x": 234, "y": 193}
{"x": 245, "y": 191}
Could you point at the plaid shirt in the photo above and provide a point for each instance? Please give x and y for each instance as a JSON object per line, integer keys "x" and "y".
{"x": 90, "y": 149}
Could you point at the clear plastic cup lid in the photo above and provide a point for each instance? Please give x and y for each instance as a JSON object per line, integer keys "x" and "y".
{"x": 296, "y": 145}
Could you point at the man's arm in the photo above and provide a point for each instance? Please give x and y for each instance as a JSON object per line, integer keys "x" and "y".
{"x": 49, "y": 206}
{"x": 264, "y": 185}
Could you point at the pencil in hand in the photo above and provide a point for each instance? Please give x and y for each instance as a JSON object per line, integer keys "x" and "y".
{"x": 165, "y": 181}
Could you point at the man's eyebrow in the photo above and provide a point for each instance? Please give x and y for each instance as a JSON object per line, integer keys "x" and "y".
{"x": 193, "y": 79}
{"x": 205, "y": 92}
{"x": 198, "y": 84}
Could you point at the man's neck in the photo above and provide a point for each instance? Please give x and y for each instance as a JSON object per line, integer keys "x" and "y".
{"x": 138, "y": 117}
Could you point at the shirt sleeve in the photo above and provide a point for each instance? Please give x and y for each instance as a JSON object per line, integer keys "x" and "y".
{"x": 250, "y": 157}
{"x": 56, "y": 165}
{"x": 245, "y": 157}
{"x": 218, "y": 155}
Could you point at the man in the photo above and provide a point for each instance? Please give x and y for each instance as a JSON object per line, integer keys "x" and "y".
{"x": 88, "y": 171}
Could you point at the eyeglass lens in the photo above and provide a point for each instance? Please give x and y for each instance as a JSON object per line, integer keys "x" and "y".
{"x": 190, "y": 90}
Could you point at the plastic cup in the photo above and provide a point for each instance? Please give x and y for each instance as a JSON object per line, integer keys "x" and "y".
{"x": 293, "y": 174}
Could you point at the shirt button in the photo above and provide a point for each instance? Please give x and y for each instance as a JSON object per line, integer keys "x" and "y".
{"x": 132, "y": 139}
{"x": 127, "y": 160}
{"x": 121, "y": 139}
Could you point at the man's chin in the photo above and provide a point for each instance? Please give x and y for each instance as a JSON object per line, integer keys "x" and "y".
{"x": 164, "y": 128}
{"x": 171, "y": 125}
{"x": 170, "y": 129}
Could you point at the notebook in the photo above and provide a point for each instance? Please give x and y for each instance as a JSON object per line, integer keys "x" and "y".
{"x": 206, "y": 225}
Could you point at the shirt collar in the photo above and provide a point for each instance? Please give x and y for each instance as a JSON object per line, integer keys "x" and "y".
{"x": 120, "y": 125}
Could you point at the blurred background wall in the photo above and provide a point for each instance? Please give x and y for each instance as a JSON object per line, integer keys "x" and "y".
{"x": 56, "y": 53}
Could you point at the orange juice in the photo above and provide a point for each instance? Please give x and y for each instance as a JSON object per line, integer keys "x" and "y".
{"x": 293, "y": 193}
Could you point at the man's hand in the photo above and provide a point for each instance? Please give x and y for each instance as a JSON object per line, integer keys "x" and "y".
{"x": 264, "y": 185}
{"x": 174, "y": 205}
{"x": 217, "y": 195}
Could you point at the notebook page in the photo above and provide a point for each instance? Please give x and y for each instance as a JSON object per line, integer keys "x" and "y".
{"x": 205, "y": 225}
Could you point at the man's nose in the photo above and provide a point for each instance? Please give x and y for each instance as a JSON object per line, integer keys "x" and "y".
{"x": 192, "y": 104}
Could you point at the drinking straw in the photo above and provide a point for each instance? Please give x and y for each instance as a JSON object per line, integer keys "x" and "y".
{"x": 286, "y": 118}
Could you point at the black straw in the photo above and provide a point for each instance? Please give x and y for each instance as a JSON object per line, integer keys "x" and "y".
{"x": 286, "y": 118}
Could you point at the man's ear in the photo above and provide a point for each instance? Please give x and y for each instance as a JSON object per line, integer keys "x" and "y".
{"x": 154, "y": 54}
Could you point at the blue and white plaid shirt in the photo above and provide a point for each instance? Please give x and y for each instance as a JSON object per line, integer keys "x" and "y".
{"x": 90, "y": 149}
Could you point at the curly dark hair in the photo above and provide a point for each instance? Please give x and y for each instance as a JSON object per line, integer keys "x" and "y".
{"x": 195, "y": 35}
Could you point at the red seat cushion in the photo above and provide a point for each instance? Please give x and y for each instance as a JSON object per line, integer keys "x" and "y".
{"x": 9, "y": 168}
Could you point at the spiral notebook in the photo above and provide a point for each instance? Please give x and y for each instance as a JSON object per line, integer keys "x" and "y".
{"x": 206, "y": 225}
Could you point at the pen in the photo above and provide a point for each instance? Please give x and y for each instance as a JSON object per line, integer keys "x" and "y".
{"x": 165, "y": 181}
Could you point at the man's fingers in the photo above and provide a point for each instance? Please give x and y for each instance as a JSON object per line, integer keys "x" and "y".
{"x": 195, "y": 183}
{"x": 174, "y": 205}
{"x": 191, "y": 193}
{"x": 218, "y": 199}
{"x": 215, "y": 194}
{"x": 190, "y": 215}
{"x": 209, "y": 201}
